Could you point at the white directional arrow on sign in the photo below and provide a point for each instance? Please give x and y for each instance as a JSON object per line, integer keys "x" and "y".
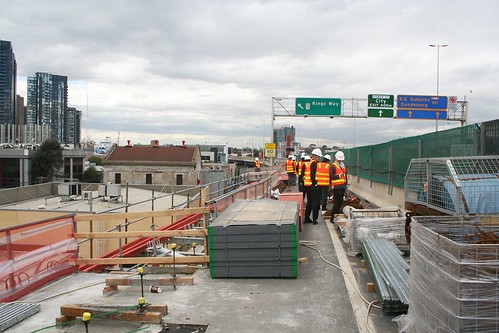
{"x": 299, "y": 105}
{"x": 380, "y": 113}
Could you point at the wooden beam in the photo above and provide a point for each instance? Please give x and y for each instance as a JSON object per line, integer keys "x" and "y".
{"x": 183, "y": 280}
{"x": 114, "y": 312}
{"x": 140, "y": 234}
{"x": 144, "y": 214}
{"x": 143, "y": 260}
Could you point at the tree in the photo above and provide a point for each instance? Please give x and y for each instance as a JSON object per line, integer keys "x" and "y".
{"x": 47, "y": 161}
{"x": 95, "y": 159}
{"x": 91, "y": 175}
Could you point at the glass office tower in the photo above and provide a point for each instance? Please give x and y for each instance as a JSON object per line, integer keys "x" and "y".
{"x": 48, "y": 103}
{"x": 8, "y": 74}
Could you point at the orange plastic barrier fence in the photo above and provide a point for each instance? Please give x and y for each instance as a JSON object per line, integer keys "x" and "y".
{"x": 33, "y": 254}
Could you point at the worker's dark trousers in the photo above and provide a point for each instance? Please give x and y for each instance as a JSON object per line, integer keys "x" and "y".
{"x": 291, "y": 179}
{"x": 324, "y": 193}
{"x": 338, "y": 194}
{"x": 313, "y": 202}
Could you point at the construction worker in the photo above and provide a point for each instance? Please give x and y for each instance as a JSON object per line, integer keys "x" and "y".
{"x": 299, "y": 169}
{"x": 312, "y": 188}
{"x": 303, "y": 167}
{"x": 338, "y": 182}
{"x": 257, "y": 165}
{"x": 323, "y": 179}
{"x": 290, "y": 170}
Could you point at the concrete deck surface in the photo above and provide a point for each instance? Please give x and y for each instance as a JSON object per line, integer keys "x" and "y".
{"x": 319, "y": 300}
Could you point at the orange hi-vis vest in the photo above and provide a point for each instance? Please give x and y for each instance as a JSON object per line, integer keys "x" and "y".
{"x": 289, "y": 166}
{"x": 322, "y": 174}
{"x": 257, "y": 164}
{"x": 307, "y": 178}
{"x": 343, "y": 179}
{"x": 299, "y": 165}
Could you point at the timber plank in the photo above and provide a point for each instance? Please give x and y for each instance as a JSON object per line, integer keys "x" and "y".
{"x": 152, "y": 314}
{"x": 183, "y": 280}
{"x": 143, "y": 260}
{"x": 144, "y": 214}
{"x": 140, "y": 234}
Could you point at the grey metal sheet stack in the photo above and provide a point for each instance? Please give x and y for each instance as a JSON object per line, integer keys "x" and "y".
{"x": 255, "y": 238}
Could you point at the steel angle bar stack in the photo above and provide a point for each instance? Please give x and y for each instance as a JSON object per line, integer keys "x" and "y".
{"x": 390, "y": 272}
{"x": 255, "y": 238}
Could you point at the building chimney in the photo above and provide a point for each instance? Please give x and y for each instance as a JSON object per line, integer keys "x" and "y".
{"x": 129, "y": 143}
{"x": 183, "y": 142}
{"x": 155, "y": 143}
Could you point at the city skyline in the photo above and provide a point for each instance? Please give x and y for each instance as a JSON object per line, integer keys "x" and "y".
{"x": 207, "y": 72}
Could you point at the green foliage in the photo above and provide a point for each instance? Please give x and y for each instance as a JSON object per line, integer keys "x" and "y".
{"x": 96, "y": 160}
{"x": 47, "y": 161}
{"x": 91, "y": 175}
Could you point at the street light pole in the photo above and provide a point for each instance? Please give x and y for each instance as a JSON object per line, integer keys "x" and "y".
{"x": 438, "y": 46}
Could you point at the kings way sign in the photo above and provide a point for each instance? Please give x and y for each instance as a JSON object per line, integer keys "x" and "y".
{"x": 318, "y": 106}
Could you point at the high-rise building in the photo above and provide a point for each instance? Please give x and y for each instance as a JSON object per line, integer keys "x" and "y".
{"x": 20, "y": 111}
{"x": 74, "y": 126}
{"x": 48, "y": 103}
{"x": 284, "y": 138}
{"x": 8, "y": 76}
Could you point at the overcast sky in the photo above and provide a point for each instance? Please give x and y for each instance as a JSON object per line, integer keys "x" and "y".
{"x": 206, "y": 71}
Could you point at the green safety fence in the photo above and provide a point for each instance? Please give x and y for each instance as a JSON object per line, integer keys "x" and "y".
{"x": 387, "y": 163}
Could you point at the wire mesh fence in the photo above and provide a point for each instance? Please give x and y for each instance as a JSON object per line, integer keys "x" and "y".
{"x": 455, "y": 185}
{"x": 387, "y": 163}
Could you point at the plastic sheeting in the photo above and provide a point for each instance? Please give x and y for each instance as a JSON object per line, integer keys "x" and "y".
{"x": 33, "y": 254}
{"x": 453, "y": 285}
{"x": 380, "y": 223}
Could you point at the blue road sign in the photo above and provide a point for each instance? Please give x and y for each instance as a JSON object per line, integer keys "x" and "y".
{"x": 421, "y": 114}
{"x": 422, "y": 102}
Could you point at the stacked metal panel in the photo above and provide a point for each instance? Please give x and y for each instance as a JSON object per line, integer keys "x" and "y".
{"x": 390, "y": 272}
{"x": 255, "y": 238}
{"x": 453, "y": 283}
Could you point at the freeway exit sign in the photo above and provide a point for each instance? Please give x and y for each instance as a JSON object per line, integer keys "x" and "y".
{"x": 380, "y": 113}
{"x": 318, "y": 106}
{"x": 380, "y": 101}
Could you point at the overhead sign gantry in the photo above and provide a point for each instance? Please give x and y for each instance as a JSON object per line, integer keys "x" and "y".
{"x": 375, "y": 106}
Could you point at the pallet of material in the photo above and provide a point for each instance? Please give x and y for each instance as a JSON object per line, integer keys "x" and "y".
{"x": 255, "y": 238}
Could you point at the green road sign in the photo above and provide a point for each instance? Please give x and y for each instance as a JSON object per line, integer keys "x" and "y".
{"x": 318, "y": 106}
{"x": 380, "y": 113}
{"x": 380, "y": 101}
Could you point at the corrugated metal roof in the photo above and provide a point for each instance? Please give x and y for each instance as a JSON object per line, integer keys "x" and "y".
{"x": 152, "y": 154}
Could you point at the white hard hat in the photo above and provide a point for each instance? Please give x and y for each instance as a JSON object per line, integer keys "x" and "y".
{"x": 256, "y": 158}
{"x": 327, "y": 157}
{"x": 307, "y": 158}
{"x": 293, "y": 158}
{"x": 290, "y": 156}
{"x": 317, "y": 152}
{"x": 339, "y": 156}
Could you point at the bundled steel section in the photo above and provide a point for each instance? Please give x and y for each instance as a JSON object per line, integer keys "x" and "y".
{"x": 390, "y": 272}
{"x": 13, "y": 313}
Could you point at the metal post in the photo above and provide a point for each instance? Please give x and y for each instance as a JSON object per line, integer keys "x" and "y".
{"x": 91, "y": 240}
{"x": 272, "y": 129}
{"x": 120, "y": 245}
{"x": 438, "y": 46}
